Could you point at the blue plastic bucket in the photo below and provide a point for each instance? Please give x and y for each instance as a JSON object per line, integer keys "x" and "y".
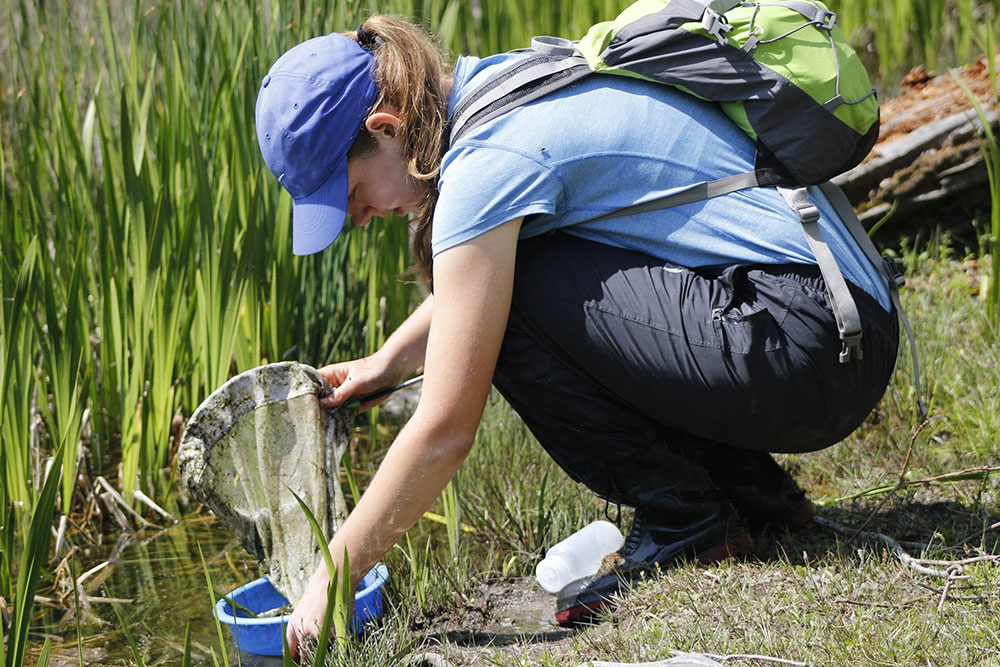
{"x": 262, "y": 636}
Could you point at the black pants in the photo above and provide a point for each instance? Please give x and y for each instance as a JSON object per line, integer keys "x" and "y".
{"x": 620, "y": 365}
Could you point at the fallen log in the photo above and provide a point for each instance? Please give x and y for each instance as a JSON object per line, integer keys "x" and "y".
{"x": 928, "y": 160}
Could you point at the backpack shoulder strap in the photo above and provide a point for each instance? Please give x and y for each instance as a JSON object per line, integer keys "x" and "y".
{"x": 521, "y": 82}
{"x": 700, "y": 192}
{"x": 845, "y": 311}
{"x": 886, "y": 266}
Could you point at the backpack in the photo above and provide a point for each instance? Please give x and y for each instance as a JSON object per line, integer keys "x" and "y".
{"x": 782, "y": 71}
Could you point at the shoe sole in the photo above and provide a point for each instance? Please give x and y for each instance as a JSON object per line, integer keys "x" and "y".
{"x": 581, "y": 613}
{"x": 741, "y": 545}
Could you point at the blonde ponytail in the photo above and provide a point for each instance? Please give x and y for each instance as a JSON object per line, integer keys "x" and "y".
{"x": 409, "y": 71}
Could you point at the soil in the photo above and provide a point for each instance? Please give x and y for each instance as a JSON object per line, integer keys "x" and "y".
{"x": 513, "y": 614}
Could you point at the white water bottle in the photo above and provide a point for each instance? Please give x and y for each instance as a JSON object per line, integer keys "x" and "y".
{"x": 578, "y": 556}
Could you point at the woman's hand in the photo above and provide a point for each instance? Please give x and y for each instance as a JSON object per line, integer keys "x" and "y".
{"x": 401, "y": 355}
{"x": 360, "y": 377}
{"x": 307, "y": 618}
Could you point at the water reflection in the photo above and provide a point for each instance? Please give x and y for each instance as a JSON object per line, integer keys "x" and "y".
{"x": 160, "y": 585}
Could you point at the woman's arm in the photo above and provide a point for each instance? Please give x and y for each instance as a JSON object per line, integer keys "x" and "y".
{"x": 473, "y": 283}
{"x": 400, "y": 356}
{"x": 407, "y": 346}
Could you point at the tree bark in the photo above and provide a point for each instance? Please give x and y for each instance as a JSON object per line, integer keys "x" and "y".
{"x": 928, "y": 160}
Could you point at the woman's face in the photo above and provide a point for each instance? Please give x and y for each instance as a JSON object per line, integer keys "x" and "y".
{"x": 378, "y": 183}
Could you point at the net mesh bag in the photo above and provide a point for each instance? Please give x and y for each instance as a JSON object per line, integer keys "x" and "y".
{"x": 253, "y": 440}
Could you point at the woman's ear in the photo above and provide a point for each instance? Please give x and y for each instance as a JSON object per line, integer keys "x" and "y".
{"x": 383, "y": 124}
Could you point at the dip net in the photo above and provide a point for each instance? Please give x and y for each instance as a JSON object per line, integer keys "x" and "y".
{"x": 253, "y": 440}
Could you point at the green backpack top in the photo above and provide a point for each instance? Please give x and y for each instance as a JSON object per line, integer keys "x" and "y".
{"x": 782, "y": 71}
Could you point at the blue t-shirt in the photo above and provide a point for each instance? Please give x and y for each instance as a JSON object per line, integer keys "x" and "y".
{"x": 608, "y": 142}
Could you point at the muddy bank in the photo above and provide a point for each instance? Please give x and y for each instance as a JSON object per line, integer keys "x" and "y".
{"x": 513, "y": 615}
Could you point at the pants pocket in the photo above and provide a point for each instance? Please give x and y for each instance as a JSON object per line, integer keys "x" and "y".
{"x": 749, "y": 321}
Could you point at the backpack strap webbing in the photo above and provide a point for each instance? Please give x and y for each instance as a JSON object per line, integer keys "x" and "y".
{"x": 845, "y": 311}
{"x": 887, "y": 266}
{"x": 700, "y": 192}
{"x": 524, "y": 81}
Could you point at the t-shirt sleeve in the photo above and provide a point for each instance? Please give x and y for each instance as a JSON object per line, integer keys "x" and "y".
{"x": 483, "y": 186}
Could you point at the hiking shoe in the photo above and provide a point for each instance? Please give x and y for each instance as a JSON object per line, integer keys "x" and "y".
{"x": 783, "y": 507}
{"x": 763, "y": 492}
{"x": 652, "y": 543}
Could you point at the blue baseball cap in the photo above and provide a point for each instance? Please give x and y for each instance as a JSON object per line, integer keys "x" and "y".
{"x": 310, "y": 107}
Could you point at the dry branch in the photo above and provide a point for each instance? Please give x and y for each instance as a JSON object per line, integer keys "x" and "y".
{"x": 907, "y": 560}
{"x": 977, "y": 473}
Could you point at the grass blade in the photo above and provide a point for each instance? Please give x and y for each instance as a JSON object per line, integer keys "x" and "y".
{"x": 33, "y": 560}
{"x": 186, "y": 658}
{"x": 286, "y": 656}
{"x": 211, "y": 599}
{"x": 235, "y": 605}
{"x": 43, "y": 657}
{"x": 340, "y": 596}
{"x": 129, "y": 638}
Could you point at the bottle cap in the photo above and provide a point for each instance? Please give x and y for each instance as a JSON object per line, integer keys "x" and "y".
{"x": 553, "y": 574}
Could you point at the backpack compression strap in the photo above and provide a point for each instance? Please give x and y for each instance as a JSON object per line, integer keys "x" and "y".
{"x": 887, "y": 266}
{"x": 845, "y": 311}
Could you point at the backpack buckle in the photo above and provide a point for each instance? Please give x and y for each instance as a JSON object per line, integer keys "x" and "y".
{"x": 716, "y": 25}
{"x": 826, "y": 20}
{"x": 850, "y": 346}
{"x": 893, "y": 269}
{"x": 555, "y": 46}
{"x": 807, "y": 213}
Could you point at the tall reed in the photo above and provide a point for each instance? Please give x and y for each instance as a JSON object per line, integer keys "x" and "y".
{"x": 33, "y": 561}
{"x": 896, "y": 35}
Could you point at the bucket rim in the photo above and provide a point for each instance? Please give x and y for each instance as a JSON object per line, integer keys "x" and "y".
{"x": 224, "y": 612}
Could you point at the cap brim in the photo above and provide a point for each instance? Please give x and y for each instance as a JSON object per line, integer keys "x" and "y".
{"x": 318, "y": 218}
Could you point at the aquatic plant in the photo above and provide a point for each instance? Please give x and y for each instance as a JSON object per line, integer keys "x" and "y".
{"x": 211, "y": 602}
{"x": 34, "y": 558}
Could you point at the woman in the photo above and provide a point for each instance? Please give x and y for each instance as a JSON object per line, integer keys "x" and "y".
{"x": 658, "y": 358}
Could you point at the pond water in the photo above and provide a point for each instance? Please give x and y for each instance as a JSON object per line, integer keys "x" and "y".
{"x": 160, "y": 582}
